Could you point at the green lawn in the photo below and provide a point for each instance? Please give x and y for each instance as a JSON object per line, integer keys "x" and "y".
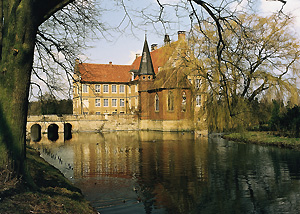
{"x": 264, "y": 138}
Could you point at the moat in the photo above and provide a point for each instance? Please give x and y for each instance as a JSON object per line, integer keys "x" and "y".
{"x": 170, "y": 172}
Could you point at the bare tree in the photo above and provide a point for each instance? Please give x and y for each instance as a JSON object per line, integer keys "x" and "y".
{"x": 54, "y": 28}
{"x": 62, "y": 39}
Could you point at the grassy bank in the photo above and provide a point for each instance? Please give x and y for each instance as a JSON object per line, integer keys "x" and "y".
{"x": 265, "y": 138}
{"x": 55, "y": 193}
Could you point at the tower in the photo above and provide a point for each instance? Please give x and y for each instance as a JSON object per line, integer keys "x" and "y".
{"x": 146, "y": 77}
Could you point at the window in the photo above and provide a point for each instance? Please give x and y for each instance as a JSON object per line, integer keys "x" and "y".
{"x": 136, "y": 88}
{"x": 170, "y": 101}
{"x": 97, "y": 88}
{"x": 105, "y": 88}
{"x": 122, "y": 103}
{"x": 85, "y": 113}
{"x": 156, "y": 102}
{"x": 197, "y": 83}
{"x": 85, "y": 103}
{"x": 122, "y": 88}
{"x": 114, "y": 102}
{"x": 198, "y": 100}
{"x": 136, "y": 102}
{"x": 183, "y": 103}
{"x": 97, "y": 102}
{"x": 114, "y": 88}
{"x": 98, "y": 113}
{"x": 105, "y": 102}
{"x": 84, "y": 88}
{"x": 129, "y": 89}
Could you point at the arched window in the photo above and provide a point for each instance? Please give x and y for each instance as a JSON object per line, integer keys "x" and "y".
{"x": 183, "y": 103}
{"x": 170, "y": 101}
{"x": 156, "y": 102}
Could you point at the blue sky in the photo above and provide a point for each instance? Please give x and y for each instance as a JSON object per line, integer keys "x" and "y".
{"x": 121, "y": 46}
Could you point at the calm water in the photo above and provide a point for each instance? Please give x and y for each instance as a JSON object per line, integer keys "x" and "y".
{"x": 154, "y": 172}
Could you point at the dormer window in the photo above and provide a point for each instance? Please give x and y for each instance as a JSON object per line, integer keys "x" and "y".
{"x": 144, "y": 77}
{"x": 149, "y": 77}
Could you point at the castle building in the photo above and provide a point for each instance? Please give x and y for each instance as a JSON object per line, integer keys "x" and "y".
{"x": 158, "y": 86}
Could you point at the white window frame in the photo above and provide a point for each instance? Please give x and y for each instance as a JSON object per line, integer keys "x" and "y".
{"x": 105, "y": 103}
{"x": 113, "y": 88}
{"x": 122, "y": 88}
{"x": 122, "y": 102}
{"x": 105, "y": 88}
{"x": 198, "y": 100}
{"x": 136, "y": 102}
{"x": 97, "y": 88}
{"x": 85, "y": 102}
{"x": 114, "y": 102}
{"x": 97, "y": 102}
{"x": 129, "y": 89}
{"x": 197, "y": 83}
{"x": 85, "y": 88}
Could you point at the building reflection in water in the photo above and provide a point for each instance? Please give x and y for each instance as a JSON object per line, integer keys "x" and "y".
{"x": 155, "y": 167}
{"x": 156, "y": 172}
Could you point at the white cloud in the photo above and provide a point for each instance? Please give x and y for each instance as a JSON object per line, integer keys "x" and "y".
{"x": 168, "y": 1}
{"x": 291, "y": 7}
{"x": 132, "y": 56}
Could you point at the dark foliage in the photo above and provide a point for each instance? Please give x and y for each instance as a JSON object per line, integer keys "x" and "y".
{"x": 287, "y": 121}
{"x": 51, "y": 106}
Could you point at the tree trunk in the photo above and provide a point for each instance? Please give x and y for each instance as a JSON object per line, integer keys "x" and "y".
{"x": 16, "y": 59}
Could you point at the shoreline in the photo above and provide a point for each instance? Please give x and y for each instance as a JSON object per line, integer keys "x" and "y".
{"x": 55, "y": 194}
{"x": 264, "y": 139}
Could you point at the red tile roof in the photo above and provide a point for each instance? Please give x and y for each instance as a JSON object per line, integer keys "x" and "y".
{"x": 159, "y": 57}
{"x": 120, "y": 73}
{"x": 104, "y": 73}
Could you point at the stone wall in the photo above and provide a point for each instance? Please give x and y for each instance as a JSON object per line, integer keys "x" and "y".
{"x": 167, "y": 125}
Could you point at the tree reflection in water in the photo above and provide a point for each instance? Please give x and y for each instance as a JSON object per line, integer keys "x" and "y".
{"x": 156, "y": 172}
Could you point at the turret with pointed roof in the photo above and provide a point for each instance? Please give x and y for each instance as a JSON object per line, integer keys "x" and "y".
{"x": 146, "y": 66}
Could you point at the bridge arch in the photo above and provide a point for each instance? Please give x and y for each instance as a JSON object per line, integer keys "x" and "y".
{"x": 53, "y": 132}
{"x": 35, "y": 132}
{"x": 67, "y": 131}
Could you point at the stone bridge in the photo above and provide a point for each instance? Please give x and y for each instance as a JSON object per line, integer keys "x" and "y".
{"x": 54, "y": 124}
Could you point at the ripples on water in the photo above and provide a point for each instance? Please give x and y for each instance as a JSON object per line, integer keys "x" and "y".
{"x": 155, "y": 172}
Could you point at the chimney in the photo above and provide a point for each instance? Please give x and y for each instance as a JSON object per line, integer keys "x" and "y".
{"x": 167, "y": 39}
{"x": 137, "y": 55}
{"x": 76, "y": 69}
{"x": 153, "y": 47}
{"x": 181, "y": 35}
{"x": 110, "y": 63}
